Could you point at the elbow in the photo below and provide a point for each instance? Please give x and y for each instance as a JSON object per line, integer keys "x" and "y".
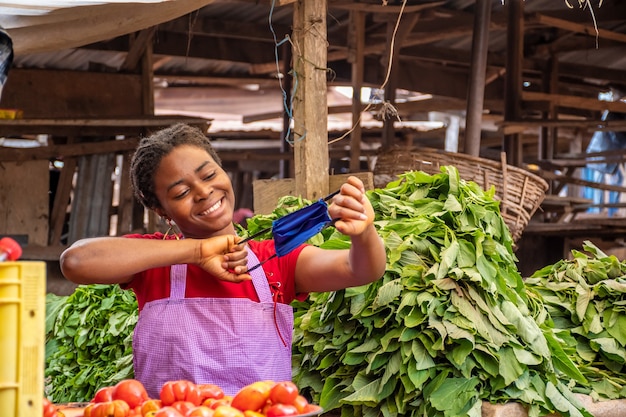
{"x": 70, "y": 263}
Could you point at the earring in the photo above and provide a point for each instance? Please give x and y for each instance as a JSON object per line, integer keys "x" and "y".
{"x": 171, "y": 226}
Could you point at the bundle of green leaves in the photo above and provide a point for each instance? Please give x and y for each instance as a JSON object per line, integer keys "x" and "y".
{"x": 88, "y": 341}
{"x": 449, "y": 325}
{"x": 585, "y": 297}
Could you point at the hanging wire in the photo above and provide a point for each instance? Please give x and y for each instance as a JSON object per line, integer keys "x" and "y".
{"x": 387, "y": 109}
{"x": 288, "y": 107}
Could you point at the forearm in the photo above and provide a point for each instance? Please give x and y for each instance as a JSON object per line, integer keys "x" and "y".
{"x": 367, "y": 256}
{"x": 111, "y": 260}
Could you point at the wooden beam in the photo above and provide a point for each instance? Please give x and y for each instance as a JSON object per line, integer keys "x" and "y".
{"x": 575, "y": 27}
{"x": 356, "y": 42}
{"x": 575, "y": 102}
{"x": 512, "y": 126}
{"x": 310, "y": 124}
{"x": 95, "y": 127}
{"x": 64, "y": 151}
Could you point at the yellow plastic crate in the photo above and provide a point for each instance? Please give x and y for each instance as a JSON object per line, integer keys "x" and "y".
{"x": 22, "y": 338}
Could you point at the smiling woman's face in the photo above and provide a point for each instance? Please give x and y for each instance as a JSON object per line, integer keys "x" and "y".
{"x": 195, "y": 192}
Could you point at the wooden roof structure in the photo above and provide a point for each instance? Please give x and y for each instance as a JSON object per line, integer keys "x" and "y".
{"x": 525, "y": 77}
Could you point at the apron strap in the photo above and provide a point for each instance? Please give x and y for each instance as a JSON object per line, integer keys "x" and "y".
{"x": 178, "y": 281}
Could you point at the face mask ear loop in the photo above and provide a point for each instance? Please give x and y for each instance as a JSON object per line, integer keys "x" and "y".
{"x": 171, "y": 226}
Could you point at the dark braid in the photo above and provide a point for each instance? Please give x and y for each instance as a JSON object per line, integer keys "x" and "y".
{"x": 151, "y": 151}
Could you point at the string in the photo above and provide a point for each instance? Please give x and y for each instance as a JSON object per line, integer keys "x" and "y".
{"x": 287, "y": 106}
{"x": 388, "y": 108}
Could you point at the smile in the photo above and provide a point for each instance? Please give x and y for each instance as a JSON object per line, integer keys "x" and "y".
{"x": 212, "y": 208}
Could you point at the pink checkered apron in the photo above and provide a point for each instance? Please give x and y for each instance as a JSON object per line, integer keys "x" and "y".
{"x": 230, "y": 342}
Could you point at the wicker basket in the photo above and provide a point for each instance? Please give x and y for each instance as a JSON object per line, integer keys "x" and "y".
{"x": 519, "y": 191}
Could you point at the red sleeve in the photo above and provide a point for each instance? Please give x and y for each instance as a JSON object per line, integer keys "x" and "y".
{"x": 281, "y": 269}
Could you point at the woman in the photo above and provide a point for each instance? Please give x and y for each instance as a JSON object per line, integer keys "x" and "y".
{"x": 203, "y": 317}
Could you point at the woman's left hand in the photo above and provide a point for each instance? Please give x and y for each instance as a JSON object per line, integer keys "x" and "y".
{"x": 351, "y": 208}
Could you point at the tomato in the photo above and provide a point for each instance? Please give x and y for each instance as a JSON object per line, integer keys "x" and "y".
{"x": 312, "y": 408}
{"x": 249, "y": 413}
{"x": 227, "y": 411}
{"x": 150, "y": 405}
{"x": 253, "y": 396}
{"x": 104, "y": 394}
{"x": 49, "y": 409}
{"x": 210, "y": 391}
{"x": 115, "y": 408}
{"x": 168, "y": 412}
{"x": 200, "y": 411}
{"x": 300, "y": 403}
{"x": 131, "y": 391}
{"x": 213, "y": 403}
{"x": 183, "y": 406}
{"x": 181, "y": 390}
{"x": 279, "y": 410}
{"x": 284, "y": 392}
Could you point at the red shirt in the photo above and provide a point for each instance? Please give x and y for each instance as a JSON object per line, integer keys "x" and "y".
{"x": 154, "y": 284}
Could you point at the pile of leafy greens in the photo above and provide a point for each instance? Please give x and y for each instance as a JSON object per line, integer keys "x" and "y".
{"x": 88, "y": 341}
{"x": 448, "y": 326}
{"x": 586, "y": 299}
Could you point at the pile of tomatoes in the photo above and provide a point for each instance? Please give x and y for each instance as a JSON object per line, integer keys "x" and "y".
{"x": 129, "y": 398}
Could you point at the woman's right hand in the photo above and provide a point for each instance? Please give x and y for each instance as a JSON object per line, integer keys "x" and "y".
{"x": 224, "y": 258}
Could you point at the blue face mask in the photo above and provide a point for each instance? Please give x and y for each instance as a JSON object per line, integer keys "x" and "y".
{"x": 294, "y": 229}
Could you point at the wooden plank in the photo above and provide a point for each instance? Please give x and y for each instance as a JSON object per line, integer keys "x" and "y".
{"x": 92, "y": 201}
{"x": 126, "y": 201}
{"x": 24, "y": 200}
{"x": 310, "y": 124}
{"x": 267, "y": 192}
{"x": 511, "y": 126}
{"x": 95, "y": 126}
{"x": 61, "y": 201}
{"x": 575, "y": 102}
{"x": 576, "y": 27}
{"x": 72, "y": 93}
{"x": 572, "y": 180}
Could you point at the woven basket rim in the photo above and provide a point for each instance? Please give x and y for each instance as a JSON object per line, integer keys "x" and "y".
{"x": 517, "y": 207}
{"x": 476, "y": 159}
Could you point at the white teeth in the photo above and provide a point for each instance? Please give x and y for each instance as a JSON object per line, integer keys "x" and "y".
{"x": 212, "y": 209}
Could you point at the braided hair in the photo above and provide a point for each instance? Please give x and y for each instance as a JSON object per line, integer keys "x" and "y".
{"x": 153, "y": 149}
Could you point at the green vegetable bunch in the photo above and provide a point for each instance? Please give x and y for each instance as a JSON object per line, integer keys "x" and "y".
{"x": 448, "y": 326}
{"x": 586, "y": 300}
{"x": 88, "y": 341}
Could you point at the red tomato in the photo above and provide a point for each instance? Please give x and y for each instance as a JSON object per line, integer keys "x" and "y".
{"x": 301, "y": 404}
{"x": 200, "y": 411}
{"x": 49, "y": 409}
{"x": 104, "y": 394}
{"x": 249, "y": 413}
{"x": 213, "y": 403}
{"x": 150, "y": 405}
{"x": 168, "y": 412}
{"x": 227, "y": 411}
{"x": 252, "y": 397}
{"x": 183, "y": 406}
{"x": 115, "y": 408}
{"x": 181, "y": 390}
{"x": 210, "y": 391}
{"x": 284, "y": 392}
{"x": 279, "y": 410}
{"x": 131, "y": 391}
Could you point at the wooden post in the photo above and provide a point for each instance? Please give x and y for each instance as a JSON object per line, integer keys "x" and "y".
{"x": 513, "y": 79}
{"x": 476, "y": 89}
{"x": 356, "y": 41}
{"x": 310, "y": 100}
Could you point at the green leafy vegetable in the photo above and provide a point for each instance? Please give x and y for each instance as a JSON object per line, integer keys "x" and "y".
{"x": 448, "y": 326}
{"x": 88, "y": 341}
